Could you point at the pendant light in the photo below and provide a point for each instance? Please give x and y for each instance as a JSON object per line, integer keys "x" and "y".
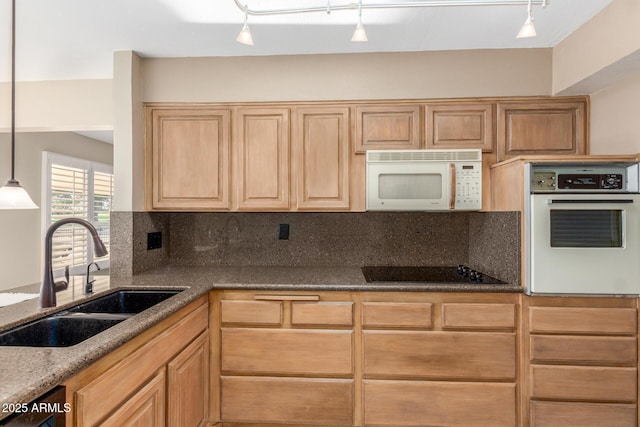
{"x": 528, "y": 29}
{"x": 359, "y": 35}
{"x": 245, "y": 34}
{"x": 12, "y": 195}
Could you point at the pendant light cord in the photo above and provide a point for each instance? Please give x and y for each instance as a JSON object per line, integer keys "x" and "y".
{"x": 13, "y": 89}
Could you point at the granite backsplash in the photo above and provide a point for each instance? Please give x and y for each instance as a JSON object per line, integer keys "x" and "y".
{"x": 487, "y": 241}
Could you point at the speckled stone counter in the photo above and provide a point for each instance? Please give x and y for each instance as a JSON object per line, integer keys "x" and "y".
{"x": 28, "y": 372}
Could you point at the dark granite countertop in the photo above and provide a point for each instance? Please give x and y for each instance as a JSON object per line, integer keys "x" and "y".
{"x": 28, "y": 372}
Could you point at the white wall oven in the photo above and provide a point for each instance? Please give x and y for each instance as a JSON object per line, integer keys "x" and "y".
{"x": 582, "y": 229}
{"x": 424, "y": 180}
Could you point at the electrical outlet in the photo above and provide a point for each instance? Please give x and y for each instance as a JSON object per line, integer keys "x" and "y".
{"x": 283, "y": 232}
{"x": 154, "y": 240}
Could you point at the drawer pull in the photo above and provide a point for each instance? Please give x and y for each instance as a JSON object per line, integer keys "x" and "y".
{"x": 287, "y": 297}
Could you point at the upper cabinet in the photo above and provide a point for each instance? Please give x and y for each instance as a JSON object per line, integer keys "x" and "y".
{"x": 188, "y": 162}
{"x": 321, "y": 153}
{"x": 393, "y": 126}
{"x": 549, "y": 126}
{"x": 459, "y": 125}
{"x": 261, "y": 158}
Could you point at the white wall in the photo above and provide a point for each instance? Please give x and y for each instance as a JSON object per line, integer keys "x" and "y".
{"x": 20, "y": 231}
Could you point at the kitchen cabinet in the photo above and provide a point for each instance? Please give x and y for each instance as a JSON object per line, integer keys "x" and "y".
{"x": 187, "y": 158}
{"x": 547, "y": 126}
{"x": 262, "y": 158}
{"x": 450, "y": 358}
{"x": 285, "y": 358}
{"x": 460, "y": 125}
{"x": 580, "y": 361}
{"x": 390, "y": 126}
{"x": 158, "y": 378}
{"x": 321, "y": 153}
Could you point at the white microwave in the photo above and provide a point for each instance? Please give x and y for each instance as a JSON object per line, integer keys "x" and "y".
{"x": 424, "y": 180}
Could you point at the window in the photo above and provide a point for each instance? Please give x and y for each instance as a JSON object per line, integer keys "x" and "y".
{"x": 76, "y": 188}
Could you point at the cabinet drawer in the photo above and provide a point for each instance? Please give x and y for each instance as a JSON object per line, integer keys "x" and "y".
{"x": 583, "y": 350}
{"x": 478, "y": 316}
{"x": 251, "y": 312}
{"x": 287, "y": 400}
{"x": 563, "y": 414}
{"x": 584, "y": 383}
{"x": 287, "y": 351}
{"x": 583, "y": 320}
{"x": 388, "y": 315}
{"x": 322, "y": 313}
{"x": 422, "y": 403}
{"x": 455, "y": 355}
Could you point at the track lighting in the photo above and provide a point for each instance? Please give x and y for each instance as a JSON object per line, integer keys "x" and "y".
{"x": 245, "y": 34}
{"x": 528, "y": 29}
{"x": 12, "y": 195}
{"x": 359, "y": 35}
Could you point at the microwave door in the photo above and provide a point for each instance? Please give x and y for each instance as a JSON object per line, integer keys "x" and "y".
{"x": 408, "y": 186}
{"x": 585, "y": 244}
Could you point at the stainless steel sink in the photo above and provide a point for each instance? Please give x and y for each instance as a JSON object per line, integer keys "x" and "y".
{"x": 125, "y": 301}
{"x": 76, "y": 324}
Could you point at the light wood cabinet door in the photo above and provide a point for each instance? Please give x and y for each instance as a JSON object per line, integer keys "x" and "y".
{"x": 188, "y": 159}
{"x": 146, "y": 408}
{"x": 322, "y": 158}
{"x": 460, "y": 125}
{"x": 544, "y": 127}
{"x": 382, "y": 127}
{"x": 188, "y": 385}
{"x": 262, "y": 158}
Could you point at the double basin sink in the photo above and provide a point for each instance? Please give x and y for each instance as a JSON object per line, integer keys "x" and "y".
{"x": 78, "y": 323}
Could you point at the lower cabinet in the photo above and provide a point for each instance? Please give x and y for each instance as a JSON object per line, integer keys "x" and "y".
{"x": 365, "y": 359}
{"x": 581, "y": 360}
{"x": 159, "y": 378}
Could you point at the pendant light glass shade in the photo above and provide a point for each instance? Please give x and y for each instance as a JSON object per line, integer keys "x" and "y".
{"x": 13, "y": 196}
{"x": 359, "y": 35}
{"x": 245, "y": 35}
{"x": 527, "y": 30}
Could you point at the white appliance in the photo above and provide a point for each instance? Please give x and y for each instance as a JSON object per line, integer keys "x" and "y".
{"x": 423, "y": 180}
{"x": 582, "y": 229}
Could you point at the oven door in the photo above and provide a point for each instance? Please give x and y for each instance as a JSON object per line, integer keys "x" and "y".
{"x": 585, "y": 244}
{"x": 410, "y": 186}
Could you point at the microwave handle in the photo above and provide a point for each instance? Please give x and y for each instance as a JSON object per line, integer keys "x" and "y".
{"x": 452, "y": 173}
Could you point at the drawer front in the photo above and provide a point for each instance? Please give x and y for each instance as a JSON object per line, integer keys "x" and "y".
{"x": 583, "y": 320}
{"x": 287, "y": 400}
{"x": 455, "y": 355}
{"x": 616, "y": 351}
{"x": 322, "y": 313}
{"x": 287, "y": 351}
{"x": 426, "y": 403}
{"x": 564, "y": 414}
{"x": 396, "y": 315}
{"x": 584, "y": 383}
{"x": 479, "y": 316}
{"x": 251, "y": 312}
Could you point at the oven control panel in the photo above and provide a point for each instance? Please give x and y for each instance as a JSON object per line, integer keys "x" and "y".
{"x": 576, "y": 179}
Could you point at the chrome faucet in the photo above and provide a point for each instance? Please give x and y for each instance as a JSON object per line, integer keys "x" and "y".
{"x": 88, "y": 284}
{"x": 49, "y": 286}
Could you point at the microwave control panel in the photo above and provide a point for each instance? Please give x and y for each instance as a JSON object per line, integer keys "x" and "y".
{"x": 576, "y": 179}
{"x": 468, "y": 186}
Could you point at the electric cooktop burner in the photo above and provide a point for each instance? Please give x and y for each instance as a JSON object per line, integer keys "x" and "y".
{"x": 459, "y": 274}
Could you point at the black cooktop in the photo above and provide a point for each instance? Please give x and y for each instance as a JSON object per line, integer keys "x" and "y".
{"x": 459, "y": 274}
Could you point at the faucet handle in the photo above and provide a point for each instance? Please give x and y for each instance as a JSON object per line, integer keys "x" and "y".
{"x": 61, "y": 285}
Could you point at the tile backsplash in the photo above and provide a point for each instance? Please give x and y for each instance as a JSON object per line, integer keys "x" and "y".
{"x": 488, "y": 241}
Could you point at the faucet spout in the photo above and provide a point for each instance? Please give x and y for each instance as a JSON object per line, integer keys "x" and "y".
{"x": 48, "y": 285}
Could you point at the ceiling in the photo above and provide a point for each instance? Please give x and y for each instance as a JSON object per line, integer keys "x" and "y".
{"x": 75, "y": 39}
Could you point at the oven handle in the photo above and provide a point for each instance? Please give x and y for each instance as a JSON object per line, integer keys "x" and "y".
{"x": 580, "y": 201}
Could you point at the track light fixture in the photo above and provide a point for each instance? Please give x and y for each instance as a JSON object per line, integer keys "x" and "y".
{"x": 359, "y": 35}
{"x": 245, "y": 34}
